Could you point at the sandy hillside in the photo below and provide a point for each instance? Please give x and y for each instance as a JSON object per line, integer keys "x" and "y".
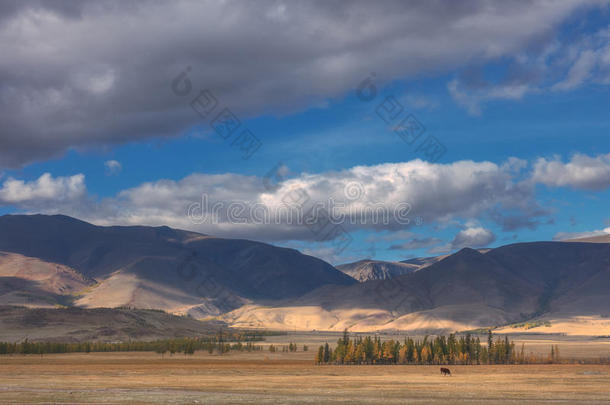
{"x": 591, "y": 325}
{"x": 33, "y": 282}
{"x": 444, "y": 319}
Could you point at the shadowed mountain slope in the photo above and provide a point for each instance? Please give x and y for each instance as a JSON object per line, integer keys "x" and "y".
{"x": 164, "y": 268}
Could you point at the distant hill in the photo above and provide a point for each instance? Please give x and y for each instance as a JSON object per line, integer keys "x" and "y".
{"x": 146, "y": 267}
{"x": 99, "y": 324}
{"x": 366, "y": 270}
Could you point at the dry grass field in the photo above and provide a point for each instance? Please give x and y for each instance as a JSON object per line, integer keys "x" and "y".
{"x": 284, "y": 378}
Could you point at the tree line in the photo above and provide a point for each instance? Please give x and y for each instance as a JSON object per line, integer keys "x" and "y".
{"x": 221, "y": 343}
{"x": 438, "y": 350}
{"x": 292, "y": 347}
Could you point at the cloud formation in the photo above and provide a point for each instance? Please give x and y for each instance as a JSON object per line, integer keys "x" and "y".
{"x": 472, "y": 99}
{"x": 473, "y": 237}
{"x": 81, "y": 74}
{"x": 551, "y": 66}
{"x": 384, "y": 197}
{"x": 580, "y": 235}
{"x": 580, "y": 172}
{"x": 44, "y": 193}
{"x": 112, "y": 167}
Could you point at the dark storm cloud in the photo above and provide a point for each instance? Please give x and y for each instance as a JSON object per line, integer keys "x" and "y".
{"x": 81, "y": 74}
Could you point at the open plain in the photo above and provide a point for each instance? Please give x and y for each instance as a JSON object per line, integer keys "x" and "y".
{"x": 285, "y": 378}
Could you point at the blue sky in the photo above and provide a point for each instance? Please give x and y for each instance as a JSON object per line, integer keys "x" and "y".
{"x": 543, "y": 95}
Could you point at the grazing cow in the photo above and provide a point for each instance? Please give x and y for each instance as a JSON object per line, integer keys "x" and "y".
{"x": 445, "y": 371}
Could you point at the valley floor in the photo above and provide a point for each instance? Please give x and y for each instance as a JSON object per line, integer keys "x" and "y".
{"x": 284, "y": 378}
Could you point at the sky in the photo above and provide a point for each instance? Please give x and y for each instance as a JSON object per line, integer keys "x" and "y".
{"x": 347, "y": 130}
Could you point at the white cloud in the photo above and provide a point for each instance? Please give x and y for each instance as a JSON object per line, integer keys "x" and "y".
{"x": 376, "y": 197}
{"x": 581, "y": 172}
{"x": 579, "y": 72}
{"x": 359, "y": 198}
{"x": 579, "y": 235}
{"x": 588, "y": 61}
{"x": 43, "y": 191}
{"x": 473, "y": 99}
{"x": 113, "y": 167}
{"x": 514, "y": 165}
{"x": 556, "y": 66}
{"x": 474, "y": 237}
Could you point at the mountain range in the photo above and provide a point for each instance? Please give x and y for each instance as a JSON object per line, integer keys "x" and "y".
{"x": 49, "y": 261}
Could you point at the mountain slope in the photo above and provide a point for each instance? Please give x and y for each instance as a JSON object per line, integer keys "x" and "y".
{"x": 49, "y": 260}
{"x": 466, "y": 290}
{"x": 164, "y": 268}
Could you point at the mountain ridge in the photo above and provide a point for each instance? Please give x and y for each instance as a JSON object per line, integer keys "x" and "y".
{"x": 56, "y": 260}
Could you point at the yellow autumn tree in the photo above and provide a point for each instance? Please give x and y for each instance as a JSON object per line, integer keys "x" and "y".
{"x": 402, "y": 355}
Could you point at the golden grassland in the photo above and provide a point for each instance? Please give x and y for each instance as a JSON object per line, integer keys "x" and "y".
{"x": 286, "y": 378}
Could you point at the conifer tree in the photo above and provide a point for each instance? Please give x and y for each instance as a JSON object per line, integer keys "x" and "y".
{"x": 320, "y": 355}
{"x": 490, "y": 344}
{"x": 326, "y": 353}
